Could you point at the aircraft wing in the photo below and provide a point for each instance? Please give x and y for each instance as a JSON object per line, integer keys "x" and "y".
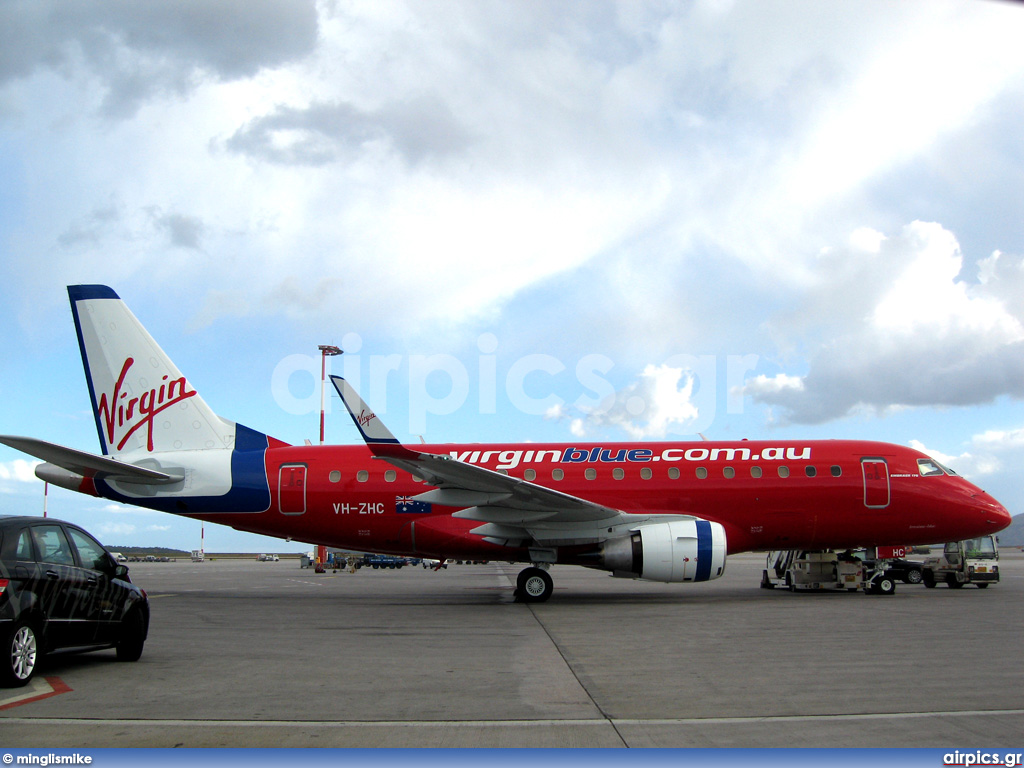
{"x": 87, "y": 464}
{"x": 512, "y": 510}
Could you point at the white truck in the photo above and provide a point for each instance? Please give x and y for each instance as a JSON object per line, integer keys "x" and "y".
{"x": 827, "y": 571}
{"x": 972, "y": 561}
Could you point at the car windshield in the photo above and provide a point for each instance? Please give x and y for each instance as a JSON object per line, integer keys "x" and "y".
{"x": 981, "y": 547}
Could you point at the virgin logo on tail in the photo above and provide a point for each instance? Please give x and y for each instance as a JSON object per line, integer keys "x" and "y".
{"x": 120, "y": 412}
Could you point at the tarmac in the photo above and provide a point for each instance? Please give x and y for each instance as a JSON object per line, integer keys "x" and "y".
{"x": 249, "y": 654}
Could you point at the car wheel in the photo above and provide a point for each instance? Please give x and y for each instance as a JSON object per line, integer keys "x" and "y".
{"x": 133, "y": 636}
{"x": 20, "y": 655}
{"x": 913, "y": 576}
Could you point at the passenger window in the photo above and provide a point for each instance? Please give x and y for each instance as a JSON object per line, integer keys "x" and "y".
{"x": 783, "y": 471}
{"x": 755, "y": 471}
{"x": 646, "y": 473}
{"x": 810, "y": 471}
{"x": 335, "y": 476}
{"x": 701, "y": 473}
{"x": 24, "y": 550}
{"x": 530, "y": 474}
{"x": 618, "y": 473}
{"x": 557, "y": 474}
{"x": 673, "y": 473}
{"x": 52, "y": 545}
{"x": 390, "y": 475}
{"x": 90, "y": 552}
{"x": 837, "y": 471}
{"x": 590, "y": 474}
{"x": 729, "y": 473}
{"x": 362, "y": 475}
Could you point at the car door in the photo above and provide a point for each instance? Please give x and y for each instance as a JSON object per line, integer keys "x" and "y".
{"x": 18, "y": 565}
{"x": 58, "y": 585}
{"x": 98, "y": 605}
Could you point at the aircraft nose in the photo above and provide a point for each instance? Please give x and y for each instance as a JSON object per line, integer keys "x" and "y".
{"x": 995, "y": 513}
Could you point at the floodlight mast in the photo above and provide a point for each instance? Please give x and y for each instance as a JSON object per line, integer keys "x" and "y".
{"x": 326, "y": 350}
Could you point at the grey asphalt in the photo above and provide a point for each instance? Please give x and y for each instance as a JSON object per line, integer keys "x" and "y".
{"x": 267, "y": 654}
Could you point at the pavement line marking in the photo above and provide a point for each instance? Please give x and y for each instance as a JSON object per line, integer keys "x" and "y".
{"x": 491, "y": 723}
{"x": 36, "y": 691}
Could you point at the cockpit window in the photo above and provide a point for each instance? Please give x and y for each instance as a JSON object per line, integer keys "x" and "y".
{"x": 932, "y": 468}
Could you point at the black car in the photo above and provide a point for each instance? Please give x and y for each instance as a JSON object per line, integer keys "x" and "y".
{"x": 61, "y": 590}
{"x": 907, "y": 571}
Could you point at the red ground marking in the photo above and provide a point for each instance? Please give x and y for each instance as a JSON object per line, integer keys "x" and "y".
{"x": 57, "y": 687}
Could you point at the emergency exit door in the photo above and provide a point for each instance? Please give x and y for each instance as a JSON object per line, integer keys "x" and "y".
{"x": 876, "y": 482}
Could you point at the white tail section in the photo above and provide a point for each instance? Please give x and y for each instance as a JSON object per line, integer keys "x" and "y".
{"x": 142, "y": 402}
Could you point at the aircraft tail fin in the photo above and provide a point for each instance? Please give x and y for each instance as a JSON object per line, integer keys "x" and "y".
{"x": 141, "y": 401}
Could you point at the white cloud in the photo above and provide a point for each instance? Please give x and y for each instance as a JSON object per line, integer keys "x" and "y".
{"x": 106, "y": 531}
{"x": 897, "y": 326}
{"x": 998, "y": 439}
{"x": 968, "y": 464}
{"x": 19, "y": 471}
{"x": 659, "y": 403}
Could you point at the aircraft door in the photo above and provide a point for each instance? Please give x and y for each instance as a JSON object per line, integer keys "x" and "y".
{"x": 876, "y": 482}
{"x": 291, "y": 489}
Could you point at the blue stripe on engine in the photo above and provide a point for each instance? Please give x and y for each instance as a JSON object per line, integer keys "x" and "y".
{"x": 703, "y": 551}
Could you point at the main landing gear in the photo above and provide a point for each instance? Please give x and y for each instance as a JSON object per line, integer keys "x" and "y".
{"x": 534, "y": 585}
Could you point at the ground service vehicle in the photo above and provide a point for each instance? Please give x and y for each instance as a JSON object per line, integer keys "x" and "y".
{"x": 61, "y": 590}
{"x": 667, "y": 511}
{"x": 972, "y": 561}
{"x": 800, "y": 570}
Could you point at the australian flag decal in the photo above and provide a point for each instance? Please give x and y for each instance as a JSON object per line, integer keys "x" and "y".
{"x": 407, "y": 504}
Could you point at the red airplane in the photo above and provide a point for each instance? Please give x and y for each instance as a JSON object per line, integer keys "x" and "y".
{"x": 666, "y": 511}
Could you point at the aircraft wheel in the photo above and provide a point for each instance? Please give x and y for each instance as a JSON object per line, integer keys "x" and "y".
{"x": 534, "y": 585}
{"x": 885, "y": 586}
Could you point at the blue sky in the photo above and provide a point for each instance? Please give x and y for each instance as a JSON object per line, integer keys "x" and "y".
{"x": 539, "y": 221}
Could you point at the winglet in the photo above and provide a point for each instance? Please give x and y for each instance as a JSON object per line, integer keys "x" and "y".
{"x": 370, "y": 427}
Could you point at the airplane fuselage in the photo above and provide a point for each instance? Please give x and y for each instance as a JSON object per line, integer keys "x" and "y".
{"x": 831, "y": 494}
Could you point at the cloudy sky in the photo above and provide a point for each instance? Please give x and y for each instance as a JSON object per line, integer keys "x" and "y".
{"x": 523, "y": 221}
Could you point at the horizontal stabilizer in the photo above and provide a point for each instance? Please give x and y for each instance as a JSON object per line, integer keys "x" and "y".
{"x": 88, "y": 464}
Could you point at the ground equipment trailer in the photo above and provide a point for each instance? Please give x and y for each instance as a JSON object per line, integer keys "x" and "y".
{"x": 827, "y": 571}
{"x": 973, "y": 561}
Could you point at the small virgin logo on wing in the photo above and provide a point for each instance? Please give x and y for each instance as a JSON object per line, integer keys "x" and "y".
{"x": 122, "y": 415}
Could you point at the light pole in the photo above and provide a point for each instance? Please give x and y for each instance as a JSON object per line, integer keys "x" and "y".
{"x": 325, "y": 351}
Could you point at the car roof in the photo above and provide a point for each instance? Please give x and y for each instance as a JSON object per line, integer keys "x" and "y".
{"x": 12, "y": 520}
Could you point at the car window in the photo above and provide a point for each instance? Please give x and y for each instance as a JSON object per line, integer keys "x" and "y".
{"x": 52, "y": 545}
{"x": 90, "y": 552}
{"x": 23, "y": 551}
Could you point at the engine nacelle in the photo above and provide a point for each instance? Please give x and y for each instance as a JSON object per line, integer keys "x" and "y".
{"x": 681, "y": 550}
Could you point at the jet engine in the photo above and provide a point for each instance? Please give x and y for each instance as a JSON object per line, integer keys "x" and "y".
{"x": 680, "y": 550}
